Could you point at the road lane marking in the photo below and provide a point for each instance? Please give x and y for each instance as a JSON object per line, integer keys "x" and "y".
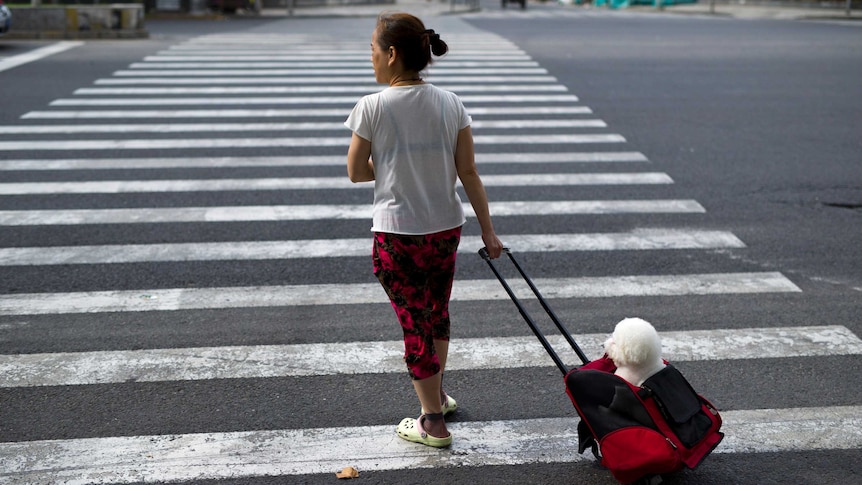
{"x": 276, "y": 100}
{"x": 36, "y": 54}
{"x": 257, "y": 56}
{"x": 342, "y": 141}
{"x": 353, "y": 294}
{"x": 145, "y": 75}
{"x": 300, "y": 126}
{"x": 269, "y": 213}
{"x": 299, "y": 70}
{"x": 296, "y": 161}
{"x": 198, "y": 81}
{"x": 314, "y": 183}
{"x": 266, "y": 361}
{"x": 366, "y": 89}
{"x": 635, "y": 240}
{"x": 283, "y": 113}
{"x": 232, "y": 455}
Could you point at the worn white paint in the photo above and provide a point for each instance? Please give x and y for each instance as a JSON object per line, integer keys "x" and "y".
{"x": 176, "y": 143}
{"x": 36, "y": 54}
{"x": 313, "y": 90}
{"x": 350, "y": 80}
{"x": 295, "y": 161}
{"x": 314, "y": 183}
{"x": 257, "y": 56}
{"x": 315, "y": 212}
{"x": 172, "y": 127}
{"x": 202, "y": 456}
{"x": 297, "y": 69}
{"x": 259, "y": 361}
{"x": 287, "y": 126}
{"x": 340, "y": 113}
{"x": 347, "y": 294}
{"x": 246, "y": 142}
{"x": 546, "y": 139}
{"x": 348, "y": 49}
{"x": 274, "y": 100}
{"x": 363, "y": 63}
{"x": 638, "y": 239}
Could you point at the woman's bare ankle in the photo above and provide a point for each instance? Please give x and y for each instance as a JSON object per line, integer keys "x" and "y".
{"x": 435, "y": 425}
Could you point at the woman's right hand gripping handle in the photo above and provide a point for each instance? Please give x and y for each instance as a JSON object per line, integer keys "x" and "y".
{"x": 493, "y": 246}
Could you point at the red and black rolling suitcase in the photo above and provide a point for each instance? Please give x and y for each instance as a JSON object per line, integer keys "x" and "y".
{"x": 638, "y": 433}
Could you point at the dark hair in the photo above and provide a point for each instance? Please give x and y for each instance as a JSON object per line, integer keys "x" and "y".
{"x": 409, "y": 36}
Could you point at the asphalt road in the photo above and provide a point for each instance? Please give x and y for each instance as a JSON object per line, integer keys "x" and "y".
{"x": 754, "y": 121}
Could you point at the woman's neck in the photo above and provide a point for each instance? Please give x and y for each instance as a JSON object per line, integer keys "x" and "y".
{"x": 407, "y": 79}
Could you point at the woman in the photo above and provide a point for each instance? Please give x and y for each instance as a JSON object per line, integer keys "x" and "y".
{"x": 413, "y": 140}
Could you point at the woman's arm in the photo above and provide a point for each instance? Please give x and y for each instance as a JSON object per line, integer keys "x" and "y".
{"x": 465, "y": 163}
{"x": 360, "y": 168}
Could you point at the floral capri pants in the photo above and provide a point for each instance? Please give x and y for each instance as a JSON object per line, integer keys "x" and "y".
{"x": 417, "y": 274}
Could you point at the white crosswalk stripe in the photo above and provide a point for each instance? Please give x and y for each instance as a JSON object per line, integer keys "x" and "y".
{"x": 370, "y": 88}
{"x": 315, "y": 183}
{"x": 275, "y": 84}
{"x": 300, "y": 161}
{"x": 203, "y": 81}
{"x": 284, "y": 113}
{"x": 306, "y": 126}
{"x": 203, "y": 456}
{"x": 325, "y": 100}
{"x": 357, "y": 294}
{"x": 15, "y": 61}
{"x": 639, "y": 239}
{"x": 317, "y": 212}
{"x": 291, "y": 142}
{"x": 239, "y": 362}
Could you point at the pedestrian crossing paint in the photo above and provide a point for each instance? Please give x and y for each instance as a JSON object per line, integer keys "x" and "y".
{"x": 315, "y": 212}
{"x": 315, "y": 183}
{"x": 243, "y": 64}
{"x": 637, "y": 240}
{"x": 275, "y": 101}
{"x": 359, "y": 294}
{"x": 232, "y": 455}
{"x": 196, "y": 57}
{"x": 146, "y": 77}
{"x": 36, "y": 54}
{"x": 151, "y": 163}
{"x": 280, "y": 142}
{"x": 303, "y": 126}
{"x": 333, "y": 71}
{"x": 285, "y": 113}
{"x": 362, "y": 89}
{"x": 304, "y": 360}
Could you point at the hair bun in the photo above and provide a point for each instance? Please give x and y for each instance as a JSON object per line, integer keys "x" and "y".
{"x": 438, "y": 47}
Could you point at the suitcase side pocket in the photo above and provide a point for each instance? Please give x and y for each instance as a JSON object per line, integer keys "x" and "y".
{"x": 637, "y": 451}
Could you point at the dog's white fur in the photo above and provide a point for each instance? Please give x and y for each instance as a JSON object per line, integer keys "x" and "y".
{"x": 635, "y": 348}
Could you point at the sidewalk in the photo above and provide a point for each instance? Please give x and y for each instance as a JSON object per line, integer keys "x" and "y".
{"x": 741, "y": 10}
{"x": 420, "y": 8}
{"x": 736, "y": 9}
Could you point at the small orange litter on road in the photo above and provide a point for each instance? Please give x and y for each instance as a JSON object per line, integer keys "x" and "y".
{"x": 348, "y": 472}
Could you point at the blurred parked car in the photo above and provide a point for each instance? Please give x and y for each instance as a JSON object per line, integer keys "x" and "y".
{"x": 522, "y": 2}
{"x": 231, "y": 6}
{"x": 5, "y": 18}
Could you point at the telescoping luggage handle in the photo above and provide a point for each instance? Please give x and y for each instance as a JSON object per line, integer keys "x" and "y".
{"x": 544, "y": 341}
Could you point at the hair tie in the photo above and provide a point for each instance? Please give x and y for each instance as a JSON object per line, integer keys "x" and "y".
{"x": 432, "y": 35}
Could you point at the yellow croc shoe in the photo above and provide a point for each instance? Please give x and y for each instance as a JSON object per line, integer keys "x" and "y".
{"x": 449, "y": 406}
{"x": 411, "y": 429}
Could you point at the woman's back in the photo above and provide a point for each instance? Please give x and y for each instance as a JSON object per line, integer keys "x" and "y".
{"x": 414, "y": 131}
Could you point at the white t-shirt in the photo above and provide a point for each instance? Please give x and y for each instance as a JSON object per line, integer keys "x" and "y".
{"x": 413, "y": 132}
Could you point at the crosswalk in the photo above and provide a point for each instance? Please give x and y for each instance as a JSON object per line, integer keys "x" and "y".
{"x": 208, "y": 109}
{"x": 553, "y": 10}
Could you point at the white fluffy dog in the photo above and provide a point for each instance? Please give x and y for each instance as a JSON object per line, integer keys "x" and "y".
{"x": 635, "y": 348}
